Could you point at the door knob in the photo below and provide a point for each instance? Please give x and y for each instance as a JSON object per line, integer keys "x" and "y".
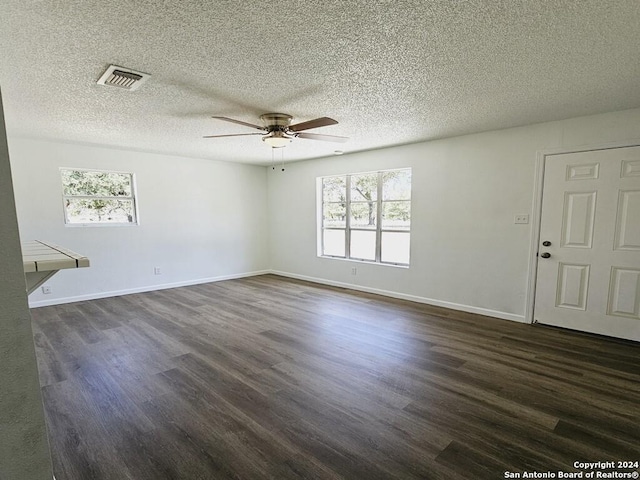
{"x": 546, "y": 243}
{"x": 545, "y": 255}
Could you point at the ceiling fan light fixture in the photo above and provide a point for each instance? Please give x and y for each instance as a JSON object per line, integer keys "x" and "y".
{"x": 278, "y": 131}
{"x": 276, "y": 140}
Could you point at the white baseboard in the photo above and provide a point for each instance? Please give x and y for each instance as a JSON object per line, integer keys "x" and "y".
{"x": 146, "y": 288}
{"x": 413, "y": 298}
{"x": 387, "y": 293}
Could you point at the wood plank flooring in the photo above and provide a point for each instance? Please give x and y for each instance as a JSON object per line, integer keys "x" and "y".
{"x": 273, "y": 378}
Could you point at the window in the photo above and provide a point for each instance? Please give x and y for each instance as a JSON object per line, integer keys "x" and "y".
{"x": 366, "y": 216}
{"x": 93, "y": 197}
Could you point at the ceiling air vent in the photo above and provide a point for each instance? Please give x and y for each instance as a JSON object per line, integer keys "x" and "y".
{"x": 123, "y": 77}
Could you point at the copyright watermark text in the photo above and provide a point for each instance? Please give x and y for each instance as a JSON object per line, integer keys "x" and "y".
{"x": 600, "y": 469}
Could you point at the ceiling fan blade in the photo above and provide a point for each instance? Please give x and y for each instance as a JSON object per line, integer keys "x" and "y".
{"x": 239, "y": 122}
{"x": 232, "y": 135}
{"x": 318, "y": 122}
{"x": 326, "y": 138}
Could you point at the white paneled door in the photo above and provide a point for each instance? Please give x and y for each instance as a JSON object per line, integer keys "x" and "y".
{"x": 589, "y": 250}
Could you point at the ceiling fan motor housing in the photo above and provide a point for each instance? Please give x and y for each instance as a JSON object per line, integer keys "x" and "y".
{"x": 279, "y": 131}
{"x": 276, "y": 121}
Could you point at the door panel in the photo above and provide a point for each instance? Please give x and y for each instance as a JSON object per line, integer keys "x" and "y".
{"x": 624, "y": 294}
{"x": 573, "y": 286}
{"x": 591, "y": 217}
{"x": 577, "y": 222}
{"x": 627, "y": 224}
{"x": 630, "y": 168}
{"x": 588, "y": 171}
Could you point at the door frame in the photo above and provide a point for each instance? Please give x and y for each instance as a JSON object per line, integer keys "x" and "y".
{"x": 542, "y": 156}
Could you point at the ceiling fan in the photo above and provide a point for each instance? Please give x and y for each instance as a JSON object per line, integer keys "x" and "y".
{"x": 277, "y": 130}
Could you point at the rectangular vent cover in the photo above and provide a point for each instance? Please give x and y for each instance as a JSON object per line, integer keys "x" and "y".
{"x": 123, "y": 77}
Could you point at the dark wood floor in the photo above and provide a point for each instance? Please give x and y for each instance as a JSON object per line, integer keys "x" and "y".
{"x": 268, "y": 377}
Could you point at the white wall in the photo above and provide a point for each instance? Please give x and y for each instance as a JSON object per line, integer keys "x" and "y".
{"x": 199, "y": 219}
{"x": 466, "y": 251}
{"x": 203, "y": 220}
{"x": 24, "y": 450}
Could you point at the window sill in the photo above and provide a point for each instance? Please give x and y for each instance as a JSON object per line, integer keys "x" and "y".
{"x": 100, "y": 225}
{"x": 368, "y": 262}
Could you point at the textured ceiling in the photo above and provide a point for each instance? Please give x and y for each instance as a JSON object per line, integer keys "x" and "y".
{"x": 391, "y": 72}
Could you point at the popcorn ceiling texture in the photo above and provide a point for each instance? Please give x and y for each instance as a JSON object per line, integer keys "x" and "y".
{"x": 391, "y": 72}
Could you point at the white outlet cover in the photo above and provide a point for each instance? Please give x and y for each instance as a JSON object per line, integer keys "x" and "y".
{"x": 522, "y": 219}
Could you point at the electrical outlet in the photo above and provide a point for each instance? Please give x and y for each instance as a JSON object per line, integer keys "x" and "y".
{"x": 157, "y": 271}
{"x": 521, "y": 219}
{"x": 354, "y": 271}
{"x": 46, "y": 289}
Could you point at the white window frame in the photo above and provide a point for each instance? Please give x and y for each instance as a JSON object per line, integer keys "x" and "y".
{"x": 133, "y": 198}
{"x": 379, "y": 230}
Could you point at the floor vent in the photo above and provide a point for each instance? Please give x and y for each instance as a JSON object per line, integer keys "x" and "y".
{"x": 123, "y": 77}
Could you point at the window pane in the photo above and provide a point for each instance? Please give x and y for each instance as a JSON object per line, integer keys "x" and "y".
{"x": 396, "y": 215}
{"x": 334, "y": 215}
{"x": 103, "y": 211}
{"x": 363, "y": 214}
{"x": 333, "y": 242}
{"x": 334, "y": 189}
{"x": 363, "y": 245}
{"x": 396, "y": 185}
{"x": 395, "y": 247}
{"x": 379, "y": 221}
{"x": 364, "y": 188}
{"x": 101, "y": 184}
